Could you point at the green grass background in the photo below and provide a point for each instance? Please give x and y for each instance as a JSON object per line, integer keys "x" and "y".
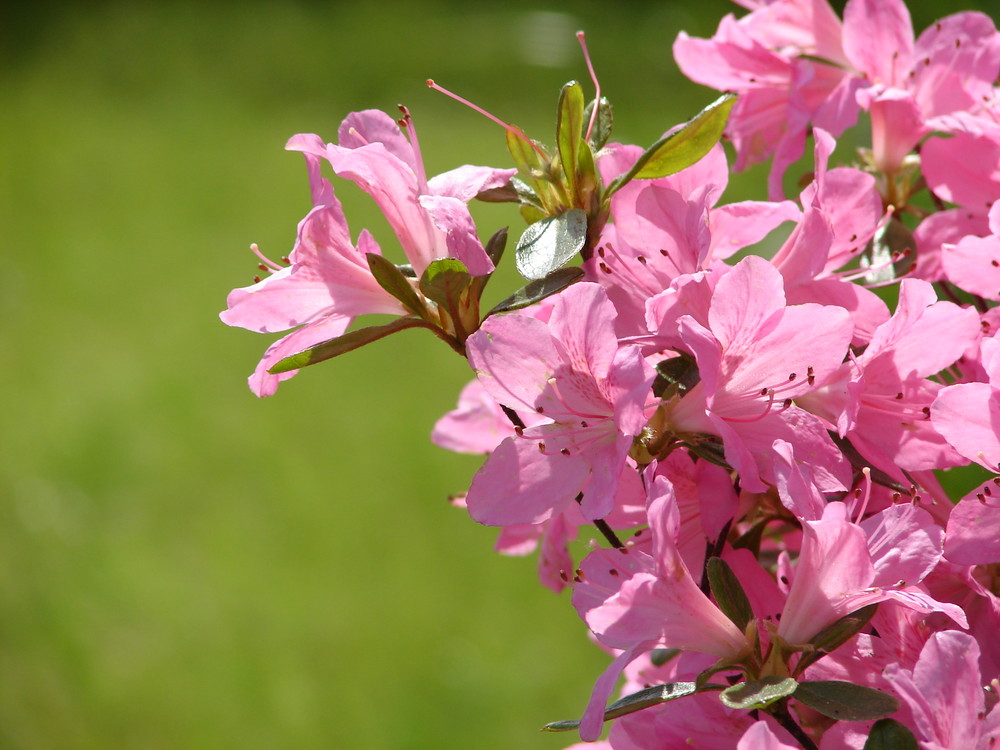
{"x": 183, "y": 565}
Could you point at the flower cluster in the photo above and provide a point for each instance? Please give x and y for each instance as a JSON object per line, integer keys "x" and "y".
{"x": 763, "y": 444}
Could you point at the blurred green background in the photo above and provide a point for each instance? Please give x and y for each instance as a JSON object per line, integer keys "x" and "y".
{"x": 183, "y": 565}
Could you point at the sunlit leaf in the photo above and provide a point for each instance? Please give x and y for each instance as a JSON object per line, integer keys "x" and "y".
{"x": 635, "y": 702}
{"x": 758, "y": 693}
{"x": 342, "y": 344}
{"x": 569, "y": 132}
{"x": 681, "y": 147}
{"x": 538, "y": 290}
{"x": 549, "y": 244}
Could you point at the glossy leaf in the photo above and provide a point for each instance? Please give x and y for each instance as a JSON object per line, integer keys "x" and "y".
{"x": 758, "y": 693}
{"x": 569, "y": 132}
{"x": 728, "y": 592}
{"x": 603, "y": 125}
{"x": 550, "y": 243}
{"x": 444, "y": 280}
{"x": 652, "y": 696}
{"x": 538, "y": 290}
{"x": 391, "y": 278}
{"x": 342, "y": 344}
{"x": 845, "y": 701}
{"x": 681, "y": 147}
{"x": 889, "y": 734}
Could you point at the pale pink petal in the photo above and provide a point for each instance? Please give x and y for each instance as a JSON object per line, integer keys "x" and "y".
{"x": 374, "y": 126}
{"x": 974, "y": 265}
{"x": 760, "y": 737}
{"x": 451, "y": 216}
{"x": 466, "y": 182}
{"x": 973, "y": 534}
{"x": 963, "y": 169}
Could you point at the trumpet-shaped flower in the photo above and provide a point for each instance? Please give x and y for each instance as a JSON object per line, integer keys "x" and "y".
{"x": 591, "y": 392}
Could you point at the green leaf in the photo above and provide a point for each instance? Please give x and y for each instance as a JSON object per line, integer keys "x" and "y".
{"x": 538, "y": 290}
{"x": 506, "y": 193}
{"x": 652, "y": 696}
{"x": 889, "y": 734}
{"x": 569, "y": 132}
{"x": 529, "y": 156}
{"x": 660, "y": 656}
{"x": 680, "y": 373}
{"x": 549, "y": 244}
{"x": 845, "y": 700}
{"x": 496, "y": 244}
{"x": 834, "y": 636}
{"x": 602, "y": 125}
{"x": 758, "y": 693}
{"x": 681, "y": 147}
{"x": 444, "y": 280}
{"x": 728, "y": 592}
{"x": 391, "y": 278}
{"x": 890, "y": 252}
{"x": 342, "y": 344}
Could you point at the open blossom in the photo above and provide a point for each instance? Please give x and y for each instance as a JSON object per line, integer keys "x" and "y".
{"x": 755, "y": 357}
{"x": 591, "y": 391}
{"x": 945, "y": 697}
{"x": 329, "y": 281}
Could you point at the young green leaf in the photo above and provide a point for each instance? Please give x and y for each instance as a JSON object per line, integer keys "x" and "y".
{"x": 391, "y": 278}
{"x": 758, "y": 693}
{"x": 728, "y": 592}
{"x": 342, "y": 344}
{"x": 444, "y": 280}
{"x": 682, "y": 146}
{"x": 538, "y": 290}
{"x": 549, "y": 244}
{"x": 845, "y": 700}
{"x": 889, "y": 734}
{"x": 570, "y": 127}
{"x": 602, "y": 125}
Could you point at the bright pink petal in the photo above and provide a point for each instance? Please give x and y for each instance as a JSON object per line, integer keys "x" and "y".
{"x": 973, "y": 534}
{"x": 878, "y": 39}
{"x": 451, "y": 216}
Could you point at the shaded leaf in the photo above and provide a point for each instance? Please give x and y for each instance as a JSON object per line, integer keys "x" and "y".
{"x": 506, "y": 193}
{"x": 496, "y": 245}
{"x": 681, "y": 147}
{"x": 602, "y": 125}
{"x": 342, "y": 344}
{"x": 758, "y": 693}
{"x": 728, "y": 592}
{"x": 549, "y": 244}
{"x": 835, "y": 635}
{"x": 538, "y": 290}
{"x": 680, "y": 373}
{"x": 889, "y": 734}
{"x": 391, "y": 278}
{"x": 845, "y": 700}
{"x": 889, "y": 253}
{"x": 652, "y": 696}
{"x": 660, "y": 656}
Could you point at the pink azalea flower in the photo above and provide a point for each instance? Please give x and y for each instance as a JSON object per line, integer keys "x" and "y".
{"x": 635, "y": 600}
{"x": 327, "y": 283}
{"x": 844, "y": 566}
{"x": 892, "y": 392}
{"x": 573, "y": 373}
{"x": 757, "y": 356}
{"x": 973, "y": 263}
{"x": 429, "y": 216}
{"x": 944, "y": 694}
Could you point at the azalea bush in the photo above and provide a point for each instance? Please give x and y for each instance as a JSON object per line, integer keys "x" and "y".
{"x": 758, "y": 448}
